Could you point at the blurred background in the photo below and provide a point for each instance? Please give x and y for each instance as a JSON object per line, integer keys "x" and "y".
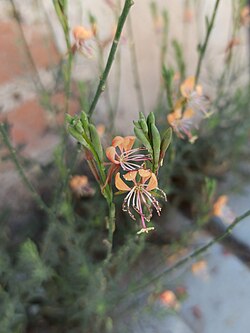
{"x": 210, "y": 294}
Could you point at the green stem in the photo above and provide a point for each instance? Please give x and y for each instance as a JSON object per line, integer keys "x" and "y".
{"x": 135, "y": 67}
{"x": 111, "y": 229}
{"x": 197, "y": 252}
{"x": 61, "y": 11}
{"x": 20, "y": 170}
{"x": 101, "y": 86}
{"x": 204, "y": 46}
{"x": 101, "y": 68}
{"x": 37, "y": 82}
{"x": 164, "y": 48}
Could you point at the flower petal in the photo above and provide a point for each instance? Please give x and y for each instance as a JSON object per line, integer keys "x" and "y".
{"x": 187, "y": 86}
{"x": 110, "y": 153}
{"x": 189, "y": 113}
{"x": 130, "y": 175}
{"x": 118, "y": 141}
{"x": 119, "y": 183}
{"x": 128, "y": 142}
{"x": 153, "y": 183}
{"x": 145, "y": 173}
{"x": 80, "y": 33}
{"x": 198, "y": 89}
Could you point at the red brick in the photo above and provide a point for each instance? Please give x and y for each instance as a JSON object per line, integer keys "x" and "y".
{"x": 11, "y": 62}
{"x": 13, "y": 59}
{"x": 42, "y": 48}
{"x": 28, "y": 123}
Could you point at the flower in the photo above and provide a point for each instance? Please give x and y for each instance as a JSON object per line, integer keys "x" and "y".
{"x": 169, "y": 299}
{"x": 121, "y": 153}
{"x": 140, "y": 195}
{"x": 189, "y": 110}
{"x": 245, "y": 16}
{"x": 183, "y": 122}
{"x": 193, "y": 96}
{"x": 222, "y": 210}
{"x": 80, "y": 186}
{"x": 81, "y": 35}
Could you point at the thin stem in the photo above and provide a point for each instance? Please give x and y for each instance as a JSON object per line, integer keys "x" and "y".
{"x": 111, "y": 229}
{"x": 135, "y": 67}
{"x": 163, "y": 53}
{"x": 111, "y": 56}
{"x": 38, "y": 83}
{"x": 197, "y": 252}
{"x": 203, "y": 47}
{"x": 20, "y": 170}
{"x": 101, "y": 68}
{"x": 117, "y": 77}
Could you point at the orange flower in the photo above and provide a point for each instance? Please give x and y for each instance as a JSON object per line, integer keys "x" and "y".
{"x": 189, "y": 110}
{"x": 169, "y": 299}
{"x": 222, "y": 210}
{"x": 140, "y": 195}
{"x": 182, "y": 122}
{"x": 193, "y": 96}
{"x": 122, "y": 154}
{"x": 81, "y": 187}
{"x": 245, "y": 16}
{"x": 81, "y": 36}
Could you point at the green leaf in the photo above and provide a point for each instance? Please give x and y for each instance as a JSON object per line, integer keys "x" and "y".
{"x": 143, "y": 126}
{"x": 96, "y": 142}
{"x": 79, "y": 127}
{"x": 156, "y": 142}
{"x": 165, "y": 142}
{"x": 144, "y": 140}
{"x": 85, "y": 122}
{"x": 78, "y": 137}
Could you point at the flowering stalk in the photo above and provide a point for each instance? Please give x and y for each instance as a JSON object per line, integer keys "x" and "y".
{"x": 200, "y": 250}
{"x": 205, "y": 247}
{"x": 104, "y": 76}
{"x": 203, "y": 47}
{"x": 86, "y": 134}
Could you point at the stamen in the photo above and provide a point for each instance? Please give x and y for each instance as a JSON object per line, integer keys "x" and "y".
{"x": 141, "y": 213}
{"x": 162, "y": 193}
{"x": 154, "y": 202}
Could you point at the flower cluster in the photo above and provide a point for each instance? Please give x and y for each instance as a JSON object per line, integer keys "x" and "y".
{"x": 140, "y": 183}
{"x": 189, "y": 110}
